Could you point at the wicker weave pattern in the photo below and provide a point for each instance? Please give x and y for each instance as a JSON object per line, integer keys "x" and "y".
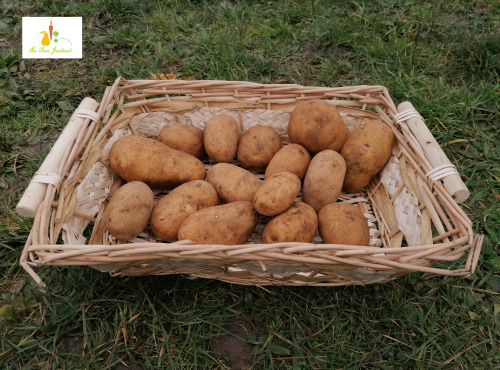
{"x": 406, "y": 205}
{"x": 402, "y": 207}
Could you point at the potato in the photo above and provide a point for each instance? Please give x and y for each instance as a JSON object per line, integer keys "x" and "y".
{"x": 128, "y": 210}
{"x": 323, "y": 180}
{"x": 221, "y": 138}
{"x": 187, "y": 139}
{"x": 298, "y": 223}
{"x": 343, "y": 223}
{"x": 257, "y": 147}
{"x": 365, "y": 153}
{"x": 136, "y": 158}
{"x": 317, "y": 126}
{"x": 277, "y": 193}
{"x": 233, "y": 183}
{"x": 228, "y": 224}
{"x": 173, "y": 208}
{"x": 292, "y": 158}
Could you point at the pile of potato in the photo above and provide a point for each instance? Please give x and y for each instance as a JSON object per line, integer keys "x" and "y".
{"x": 222, "y": 205}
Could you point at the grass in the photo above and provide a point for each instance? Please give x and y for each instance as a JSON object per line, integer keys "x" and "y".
{"x": 443, "y": 57}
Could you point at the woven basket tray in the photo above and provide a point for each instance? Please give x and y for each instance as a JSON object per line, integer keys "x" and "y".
{"x": 411, "y": 206}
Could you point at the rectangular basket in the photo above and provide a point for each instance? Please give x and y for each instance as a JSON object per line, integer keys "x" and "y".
{"x": 411, "y": 206}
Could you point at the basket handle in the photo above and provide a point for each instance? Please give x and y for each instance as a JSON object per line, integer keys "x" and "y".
{"x": 48, "y": 173}
{"x": 441, "y": 165}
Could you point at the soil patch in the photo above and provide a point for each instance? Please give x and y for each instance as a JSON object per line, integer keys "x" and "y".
{"x": 235, "y": 352}
{"x": 71, "y": 345}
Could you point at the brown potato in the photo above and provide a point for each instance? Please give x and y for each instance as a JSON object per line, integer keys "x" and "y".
{"x": 298, "y": 223}
{"x": 136, "y": 158}
{"x": 173, "y": 208}
{"x": 365, "y": 153}
{"x": 317, "y": 126}
{"x": 228, "y": 224}
{"x": 233, "y": 183}
{"x": 343, "y": 223}
{"x": 277, "y": 193}
{"x": 128, "y": 210}
{"x": 187, "y": 139}
{"x": 221, "y": 138}
{"x": 324, "y": 179}
{"x": 292, "y": 158}
{"x": 257, "y": 147}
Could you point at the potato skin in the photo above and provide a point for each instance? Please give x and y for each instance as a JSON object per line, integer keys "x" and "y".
{"x": 227, "y": 224}
{"x": 128, "y": 210}
{"x": 343, "y": 223}
{"x": 323, "y": 180}
{"x": 366, "y": 152}
{"x": 136, "y": 158}
{"x": 187, "y": 139}
{"x": 298, "y": 223}
{"x": 257, "y": 147}
{"x": 221, "y": 137}
{"x": 172, "y": 209}
{"x": 317, "y": 126}
{"x": 292, "y": 158}
{"x": 277, "y": 193}
{"x": 233, "y": 183}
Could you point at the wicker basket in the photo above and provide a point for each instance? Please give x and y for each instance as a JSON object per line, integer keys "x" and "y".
{"x": 415, "y": 222}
